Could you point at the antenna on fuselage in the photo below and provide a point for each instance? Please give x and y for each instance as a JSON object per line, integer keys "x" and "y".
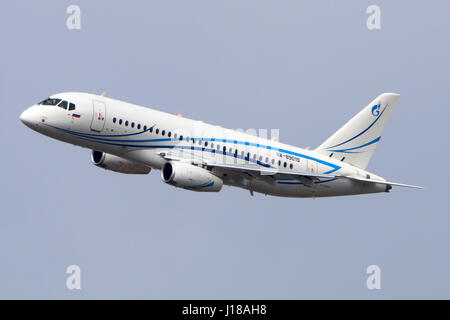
{"x": 103, "y": 93}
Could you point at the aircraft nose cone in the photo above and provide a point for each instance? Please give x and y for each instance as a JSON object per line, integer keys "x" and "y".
{"x": 28, "y": 117}
{"x": 25, "y": 117}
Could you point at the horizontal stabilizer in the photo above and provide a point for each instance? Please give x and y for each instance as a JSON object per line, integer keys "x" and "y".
{"x": 382, "y": 182}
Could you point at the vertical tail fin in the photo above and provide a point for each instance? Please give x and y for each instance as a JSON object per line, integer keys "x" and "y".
{"x": 356, "y": 141}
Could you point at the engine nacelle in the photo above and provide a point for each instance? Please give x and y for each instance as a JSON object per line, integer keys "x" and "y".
{"x": 117, "y": 164}
{"x": 190, "y": 177}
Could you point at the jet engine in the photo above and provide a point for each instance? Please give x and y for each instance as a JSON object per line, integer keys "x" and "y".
{"x": 114, "y": 163}
{"x": 190, "y": 177}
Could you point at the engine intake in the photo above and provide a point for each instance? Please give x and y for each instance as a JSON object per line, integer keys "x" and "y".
{"x": 117, "y": 164}
{"x": 190, "y": 177}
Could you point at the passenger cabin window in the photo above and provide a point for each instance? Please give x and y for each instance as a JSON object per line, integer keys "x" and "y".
{"x": 139, "y": 126}
{"x": 120, "y": 121}
{"x": 114, "y": 120}
{"x": 163, "y": 132}
{"x": 157, "y": 131}
{"x": 132, "y": 124}
{"x": 126, "y": 123}
{"x": 145, "y": 128}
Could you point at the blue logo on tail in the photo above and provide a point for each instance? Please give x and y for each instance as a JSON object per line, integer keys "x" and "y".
{"x": 376, "y": 109}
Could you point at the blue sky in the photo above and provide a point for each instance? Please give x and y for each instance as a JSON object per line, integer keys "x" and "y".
{"x": 303, "y": 67}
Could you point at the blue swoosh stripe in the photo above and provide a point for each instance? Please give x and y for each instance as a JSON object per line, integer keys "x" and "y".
{"x": 181, "y": 147}
{"x": 362, "y": 146}
{"x": 252, "y": 144}
{"x": 317, "y": 182}
{"x": 107, "y": 135}
{"x": 337, "y": 145}
{"x": 91, "y": 138}
{"x": 208, "y": 184}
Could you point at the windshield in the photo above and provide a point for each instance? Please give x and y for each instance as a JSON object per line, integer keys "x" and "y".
{"x": 50, "y": 102}
{"x": 59, "y": 102}
{"x": 63, "y": 104}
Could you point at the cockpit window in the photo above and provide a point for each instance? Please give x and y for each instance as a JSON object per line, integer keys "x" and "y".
{"x": 50, "y": 102}
{"x": 63, "y": 104}
{"x": 58, "y": 102}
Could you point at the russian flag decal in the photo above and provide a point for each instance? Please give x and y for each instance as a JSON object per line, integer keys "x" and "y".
{"x": 75, "y": 115}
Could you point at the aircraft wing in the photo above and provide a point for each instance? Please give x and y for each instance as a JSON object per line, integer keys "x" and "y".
{"x": 252, "y": 169}
{"x": 258, "y": 170}
{"x": 266, "y": 171}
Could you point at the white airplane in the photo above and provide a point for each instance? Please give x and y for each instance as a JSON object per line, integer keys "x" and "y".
{"x": 193, "y": 155}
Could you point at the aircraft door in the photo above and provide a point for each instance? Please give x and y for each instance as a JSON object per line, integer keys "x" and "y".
{"x": 98, "y": 115}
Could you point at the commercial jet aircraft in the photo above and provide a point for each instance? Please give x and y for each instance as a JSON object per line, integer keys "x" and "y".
{"x": 196, "y": 156}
